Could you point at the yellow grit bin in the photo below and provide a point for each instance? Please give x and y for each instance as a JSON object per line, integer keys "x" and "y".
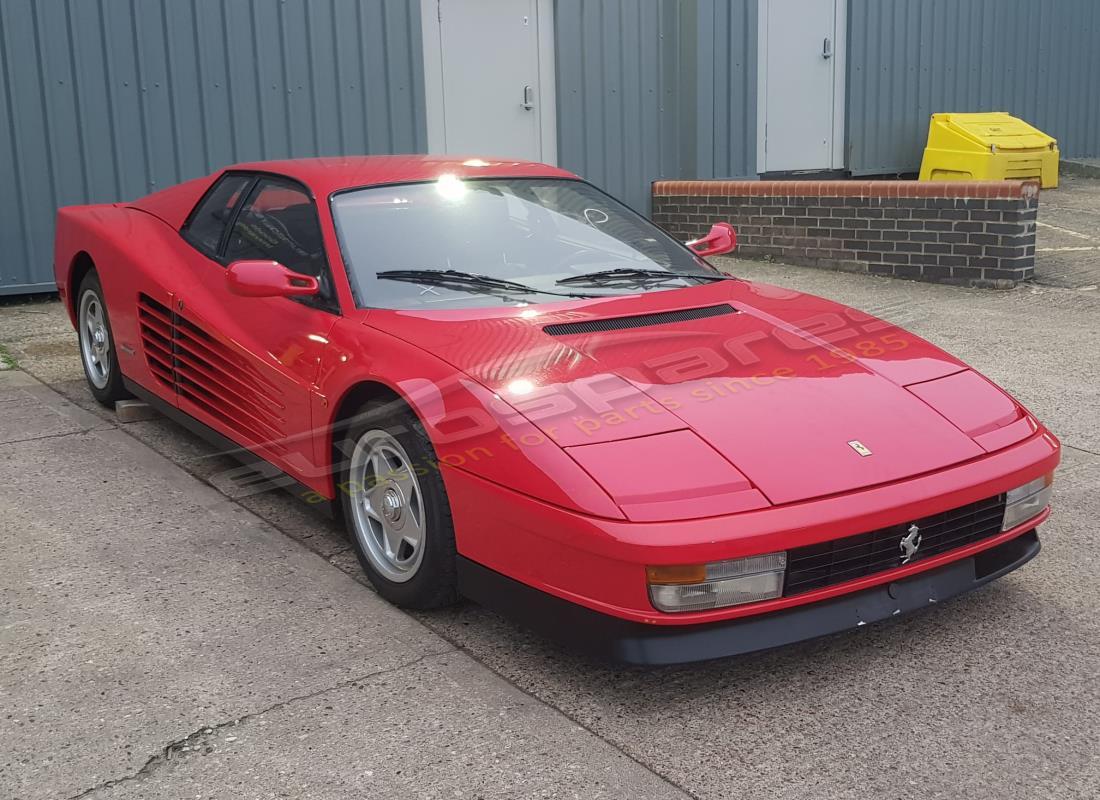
{"x": 990, "y": 146}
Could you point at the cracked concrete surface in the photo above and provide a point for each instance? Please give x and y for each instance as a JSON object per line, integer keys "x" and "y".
{"x": 472, "y": 745}
{"x": 203, "y": 740}
{"x": 179, "y": 611}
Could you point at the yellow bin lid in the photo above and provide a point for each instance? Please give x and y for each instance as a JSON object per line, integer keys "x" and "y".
{"x": 996, "y": 127}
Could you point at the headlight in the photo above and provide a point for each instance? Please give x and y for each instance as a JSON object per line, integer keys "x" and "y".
{"x": 1027, "y": 501}
{"x": 694, "y": 587}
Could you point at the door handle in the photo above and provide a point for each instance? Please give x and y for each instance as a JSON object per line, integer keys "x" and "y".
{"x": 827, "y": 48}
{"x": 528, "y": 97}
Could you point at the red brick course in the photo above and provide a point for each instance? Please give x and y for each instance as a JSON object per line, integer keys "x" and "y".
{"x": 971, "y": 189}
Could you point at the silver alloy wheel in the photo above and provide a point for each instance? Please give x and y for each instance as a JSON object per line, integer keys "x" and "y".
{"x": 387, "y": 505}
{"x": 95, "y": 341}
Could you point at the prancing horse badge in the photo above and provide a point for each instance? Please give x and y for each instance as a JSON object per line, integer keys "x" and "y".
{"x": 860, "y": 447}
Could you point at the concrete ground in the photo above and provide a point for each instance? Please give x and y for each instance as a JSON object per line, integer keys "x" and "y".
{"x": 160, "y": 639}
{"x": 1068, "y": 234}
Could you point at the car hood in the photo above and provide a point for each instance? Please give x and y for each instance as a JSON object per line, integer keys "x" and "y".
{"x": 802, "y": 396}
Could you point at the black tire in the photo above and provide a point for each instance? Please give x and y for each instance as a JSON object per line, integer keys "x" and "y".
{"x": 433, "y": 583}
{"x": 106, "y": 386}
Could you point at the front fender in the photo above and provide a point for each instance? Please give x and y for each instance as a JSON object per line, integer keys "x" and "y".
{"x": 472, "y": 429}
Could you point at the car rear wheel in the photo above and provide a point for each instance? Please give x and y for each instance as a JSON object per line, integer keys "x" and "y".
{"x": 97, "y": 345}
{"x": 396, "y": 508}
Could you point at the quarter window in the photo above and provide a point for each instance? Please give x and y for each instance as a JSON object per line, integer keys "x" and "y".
{"x": 207, "y": 222}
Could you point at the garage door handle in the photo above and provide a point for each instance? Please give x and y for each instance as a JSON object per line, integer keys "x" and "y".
{"x": 528, "y": 97}
{"x": 827, "y": 48}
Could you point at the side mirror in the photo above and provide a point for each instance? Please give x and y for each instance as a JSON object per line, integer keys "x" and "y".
{"x": 268, "y": 279}
{"x": 721, "y": 239}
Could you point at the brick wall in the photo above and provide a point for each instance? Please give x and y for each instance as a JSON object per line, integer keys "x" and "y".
{"x": 974, "y": 234}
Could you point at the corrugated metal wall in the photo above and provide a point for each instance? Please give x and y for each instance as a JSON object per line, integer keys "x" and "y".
{"x": 618, "y": 78}
{"x": 107, "y": 100}
{"x": 909, "y": 58}
{"x": 726, "y": 66}
{"x": 655, "y": 89}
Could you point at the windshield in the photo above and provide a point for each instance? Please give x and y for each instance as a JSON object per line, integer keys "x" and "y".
{"x": 533, "y": 232}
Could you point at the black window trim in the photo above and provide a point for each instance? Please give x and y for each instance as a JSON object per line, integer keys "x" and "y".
{"x": 330, "y": 304}
{"x": 223, "y": 242}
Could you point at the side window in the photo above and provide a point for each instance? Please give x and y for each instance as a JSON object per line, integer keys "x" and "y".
{"x": 278, "y": 222}
{"x": 207, "y": 222}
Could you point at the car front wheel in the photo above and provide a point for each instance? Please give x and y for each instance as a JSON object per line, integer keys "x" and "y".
{"x": 396, "y": 508}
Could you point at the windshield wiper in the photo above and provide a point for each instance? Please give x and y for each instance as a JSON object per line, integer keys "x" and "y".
{"x": 637, "y": 274}
{"x": 456, "y": 279}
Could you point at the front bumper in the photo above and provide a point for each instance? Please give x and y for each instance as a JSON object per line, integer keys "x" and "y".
{"x": 600, "y": 563}
{"x": 622, "y": 640}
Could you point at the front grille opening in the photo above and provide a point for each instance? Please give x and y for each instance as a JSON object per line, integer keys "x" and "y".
{"x": 828, "y": 563}
{"x": 638, "y": 320}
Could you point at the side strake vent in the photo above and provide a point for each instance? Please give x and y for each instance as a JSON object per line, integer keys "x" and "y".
{"x": 184, "y": 357}
{"x": 638, "y": 321}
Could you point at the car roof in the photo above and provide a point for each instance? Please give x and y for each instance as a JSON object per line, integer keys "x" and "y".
{"x": 331, "y": 174}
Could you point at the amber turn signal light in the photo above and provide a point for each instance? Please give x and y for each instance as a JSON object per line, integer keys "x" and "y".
{"x": 675, "y": 573}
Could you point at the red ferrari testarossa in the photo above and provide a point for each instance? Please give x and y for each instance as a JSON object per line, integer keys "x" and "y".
{"x": 515, "y": 389}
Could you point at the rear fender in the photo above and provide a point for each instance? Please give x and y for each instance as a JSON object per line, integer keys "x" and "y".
{"x": 132, "y": 253}
{"x": 96, "y": 232}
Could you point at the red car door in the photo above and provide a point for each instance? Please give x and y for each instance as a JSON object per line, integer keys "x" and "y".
{"x": 246, "y": 366}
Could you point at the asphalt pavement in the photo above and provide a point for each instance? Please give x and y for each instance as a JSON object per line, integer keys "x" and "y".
{"x": 165, "y": 635}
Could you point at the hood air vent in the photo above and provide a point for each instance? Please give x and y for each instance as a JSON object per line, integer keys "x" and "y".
{"x": 638, "y": 321}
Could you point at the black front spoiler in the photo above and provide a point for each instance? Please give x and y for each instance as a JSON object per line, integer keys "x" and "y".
{"x": 621, "y": 640}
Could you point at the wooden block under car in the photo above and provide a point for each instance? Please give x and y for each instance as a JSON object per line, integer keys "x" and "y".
{"x": 134, "y": 411}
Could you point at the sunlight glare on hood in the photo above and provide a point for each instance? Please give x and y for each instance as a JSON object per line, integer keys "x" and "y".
{"x": 521, "y": 386}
